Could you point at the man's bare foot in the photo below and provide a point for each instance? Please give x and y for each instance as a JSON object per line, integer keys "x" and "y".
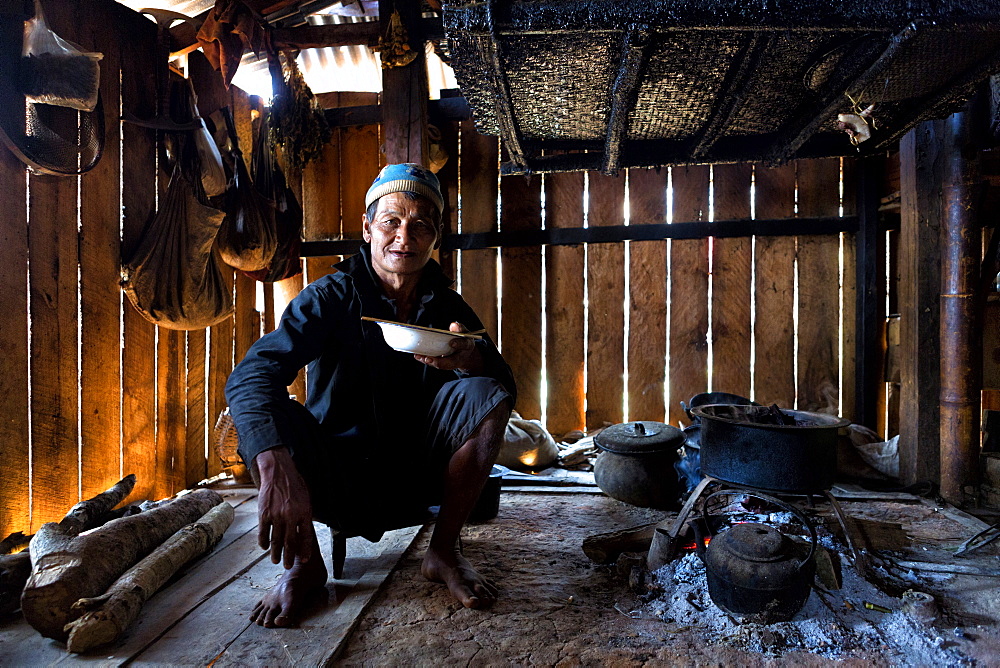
{"x": 296, "y": 588}
{"x": 464, "y": 582}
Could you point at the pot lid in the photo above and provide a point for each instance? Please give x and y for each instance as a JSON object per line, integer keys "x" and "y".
{"x": 639, "y": 438}
{"x": 757, "y": 542}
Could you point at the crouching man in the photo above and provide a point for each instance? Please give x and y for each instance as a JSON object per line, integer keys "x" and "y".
{"x": 383, "y": 434}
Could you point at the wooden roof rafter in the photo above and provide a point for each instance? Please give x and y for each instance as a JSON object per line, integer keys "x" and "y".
{"x": 636, "y": 47}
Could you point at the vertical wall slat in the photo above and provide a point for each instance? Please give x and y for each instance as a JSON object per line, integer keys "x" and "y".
{"x": 14, "y": 484}
{"x": 850, "y": 292}
{"x": 774, "y": 286}
{"x": 321, "y": 203}
{"x": 210, "y": 350}
{"x": 731, "y": 278}
{"x": 478, "y": 174}
{"x": 360, "y": 144}
{"x": 100, "y": 373}
{"x": 688, "y": 293}
{"x": 647, "y": 342}
{"x": 138, "y": 202}
{"x": 564, "y": 307}
{"x": 606, "y": 305}
{"x": 52, "y": 250}
{"x": 220, "y": 364}
{"x": 53, "y": 255}
{"x": 819, "y": 294}
{"x": 170, "y": 400}
{"x": 246, "y": 315}
{"x": 195, "y": 464}
{"x": 521, "y": 209}
{"x": 448, "y": 176}
{"x": 284, "y": 292}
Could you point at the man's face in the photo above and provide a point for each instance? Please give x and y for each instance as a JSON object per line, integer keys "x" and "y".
{"x": 402, "y": 235}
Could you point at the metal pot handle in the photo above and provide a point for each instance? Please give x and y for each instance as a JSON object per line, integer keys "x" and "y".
{"x": 775, "y": 501}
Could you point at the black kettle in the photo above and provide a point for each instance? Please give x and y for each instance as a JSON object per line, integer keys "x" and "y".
{"x": 756, "y": 572}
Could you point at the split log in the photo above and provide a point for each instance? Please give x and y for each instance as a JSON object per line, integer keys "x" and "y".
{"x": 15, "y": 541}
{"x": 605, "y": 548}
{"x": 106, "y": 617}
{"x": 86, "y": 514}
{"x": 15, "y": 569}
{"x": 67, "y": 567}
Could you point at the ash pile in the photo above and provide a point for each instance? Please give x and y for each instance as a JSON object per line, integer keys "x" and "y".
{"x": 842, "y": 616}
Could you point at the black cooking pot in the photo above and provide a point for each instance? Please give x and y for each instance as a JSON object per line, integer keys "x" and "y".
{"x": 739, "y": 446}
{"x": 636, "y": 463}
{"x": 706, "y": 398}
{"x": 488, "y": 504}
{"x": 756, "y": 572}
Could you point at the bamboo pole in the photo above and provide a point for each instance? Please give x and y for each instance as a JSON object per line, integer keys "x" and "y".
{"x": 961, "y": 361}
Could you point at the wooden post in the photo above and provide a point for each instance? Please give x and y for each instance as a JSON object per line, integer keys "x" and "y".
{"x": 920, "y": 173}
{"x": 870, "y": 299}
{"x": 961, "y": 351}
{"x": 404, "y": 90}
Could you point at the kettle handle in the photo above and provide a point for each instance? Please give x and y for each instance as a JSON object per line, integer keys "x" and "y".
{"x": 774, "y": 501}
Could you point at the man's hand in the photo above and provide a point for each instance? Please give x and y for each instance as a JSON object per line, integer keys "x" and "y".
{"x": 284, "y": 509}
{"x": 465, "y": 356}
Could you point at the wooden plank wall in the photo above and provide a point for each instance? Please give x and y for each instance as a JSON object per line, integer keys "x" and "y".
{"x": 771, "y": 317}
{"x": 596, "y": 334}
{"x": 92, "y": 390}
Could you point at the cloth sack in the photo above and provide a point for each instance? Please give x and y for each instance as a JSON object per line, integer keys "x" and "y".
{"x": 173, "y": 278}
{"x": 527, "y": 446}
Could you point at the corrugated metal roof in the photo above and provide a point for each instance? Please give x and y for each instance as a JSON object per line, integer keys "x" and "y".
{"x": 346, "y": 68}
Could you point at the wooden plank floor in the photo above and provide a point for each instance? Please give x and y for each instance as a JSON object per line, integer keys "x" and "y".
{"x": 201, "y": 617}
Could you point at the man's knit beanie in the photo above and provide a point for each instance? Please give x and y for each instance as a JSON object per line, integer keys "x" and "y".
{"x": 406, "y": 177}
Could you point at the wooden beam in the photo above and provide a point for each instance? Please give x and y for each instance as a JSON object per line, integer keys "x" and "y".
{"x": 920, "y": 174}
{"x": 734, "y": 91}
{"x": 344, "y": 34}
{"x": 636, "y": 231}
{"x": 660, "y": 152}
{"x": 321, "y": 36}
{"x": 446, "y": 109}
{"x": 636, "y": 47}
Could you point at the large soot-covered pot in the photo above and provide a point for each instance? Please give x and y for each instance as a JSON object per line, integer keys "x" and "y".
{"x": 746, "y": 445}
{"x": 636, "y": 463}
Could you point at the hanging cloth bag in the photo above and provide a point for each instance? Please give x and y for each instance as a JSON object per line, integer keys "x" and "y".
{"x": 270, "y": 182}
{"x": 173, "y": 278}
{"x": 56, "y": 71}
{"x": 247, "y": 238}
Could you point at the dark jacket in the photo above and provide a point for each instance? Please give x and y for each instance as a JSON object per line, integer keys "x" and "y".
{"x": 360, "y": 390}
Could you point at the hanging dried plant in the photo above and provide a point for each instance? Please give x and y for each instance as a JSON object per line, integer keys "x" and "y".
{"x": 295, "y": 121}
{"x": 394, "y": 45}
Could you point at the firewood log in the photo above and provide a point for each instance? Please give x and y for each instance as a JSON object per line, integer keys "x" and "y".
{"x": 67, "y": 567}
{"x": 604, "y": 548}
{"x": 15, "y": 541}
{"x": 14, "y": 572}
{"x": 16, "y": 568}
{"x": 106, "y": 617}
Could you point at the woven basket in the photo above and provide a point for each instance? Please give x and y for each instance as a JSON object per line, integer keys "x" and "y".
{"x": 226, "y": 440}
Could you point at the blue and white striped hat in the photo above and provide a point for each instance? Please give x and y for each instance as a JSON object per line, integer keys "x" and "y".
{"x": 406, "y": 177}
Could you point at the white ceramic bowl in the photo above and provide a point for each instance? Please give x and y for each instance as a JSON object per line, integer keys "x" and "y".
{"x": 418, "y": 340}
